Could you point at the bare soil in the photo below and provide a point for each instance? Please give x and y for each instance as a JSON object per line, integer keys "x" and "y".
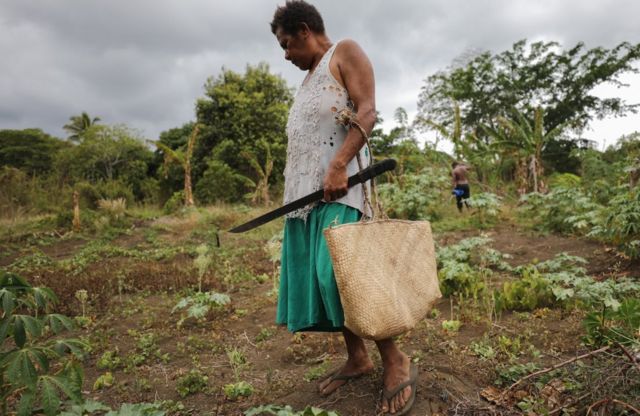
{"x": 283, "y": 368}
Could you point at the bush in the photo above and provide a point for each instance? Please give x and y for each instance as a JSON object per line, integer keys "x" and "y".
{"x": 221, "y": 183}
{"x": 415, "y": 196}
{"x": 563, "y": 210}
{"x": 621, "y": 225}
{"x": 174, "y": 203}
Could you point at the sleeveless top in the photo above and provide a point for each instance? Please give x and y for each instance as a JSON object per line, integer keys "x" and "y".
{"x": 314, "y": 138}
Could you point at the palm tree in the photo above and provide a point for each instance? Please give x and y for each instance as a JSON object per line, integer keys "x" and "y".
{"x": 79, "y": 125}
{"x": 183, "y": 159}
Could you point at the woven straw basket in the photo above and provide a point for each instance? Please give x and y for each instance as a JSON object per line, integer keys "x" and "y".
{"x": 386, "y": 274}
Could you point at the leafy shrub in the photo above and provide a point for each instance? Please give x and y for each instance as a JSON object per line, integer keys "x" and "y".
{"x": 563, "y": 210}
{"x": 174, "y": 203}
{"x": 619, "y": 325}
{"x": 191, "y": 383}
{"x": 621, "y": 225}
{"x": 486, "y": 207}
{"x": 234, "y": 391}
{"x": 221, "y": 183}
{"x": 416, "y": 196}
{"x": 200, "y": 303}
{"x": 34, "y": 365}
{"x": 529, "y": 292}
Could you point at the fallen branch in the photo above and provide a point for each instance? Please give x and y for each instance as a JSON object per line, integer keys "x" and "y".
{"x": 628, "y": 354}
{"x": 606, "y": 401}
{"x": 555, "y": 367}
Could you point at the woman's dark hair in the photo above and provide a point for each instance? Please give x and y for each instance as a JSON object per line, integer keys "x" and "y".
{"x": 295, "y": 12}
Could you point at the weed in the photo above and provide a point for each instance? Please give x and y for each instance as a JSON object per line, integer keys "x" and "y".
{"x": 316, "y": 372}
{"x": 110, "y": 360}
{"x": 236, "y": 390}
{"x": 191, "y": 383}
{"x": 265, "y": 334}
{"x": 288, "y": 411}
{"x": 451, "y": 326}
{"x": 105, "y": 380}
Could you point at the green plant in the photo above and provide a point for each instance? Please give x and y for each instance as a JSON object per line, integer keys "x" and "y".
{"x": 529, "y": 292}
{"x": 105, "y": 380}
{"x": 486, "y": 207}
{"x": 288, "y": 411}
{"x": 199, "y": 304}
{"x": 90, "y": 407}
{"x": 33, "y": 364}
{"x": 237, "y": 361}
{"x": 415, "y": 195}
{"x": 621, "y": 224}
{"x": 451, "y": 326}
{"x": 193, "y": 382}
{"x": 110, "y": 360}
{"x": 621, "y": 325}
{"x": 240, "y": 389}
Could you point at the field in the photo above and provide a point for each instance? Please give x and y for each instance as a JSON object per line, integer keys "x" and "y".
{"x": 231, "y": 357}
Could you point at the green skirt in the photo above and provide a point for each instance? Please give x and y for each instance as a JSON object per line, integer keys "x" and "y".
{"x": 308, "y": 299}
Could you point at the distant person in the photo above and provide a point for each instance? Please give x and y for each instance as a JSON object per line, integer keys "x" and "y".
{"x": 321, "y": 153}
{"x": 459, "y": 176}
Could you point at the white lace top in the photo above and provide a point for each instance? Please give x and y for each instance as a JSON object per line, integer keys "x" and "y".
{"x": 314, "y": 138}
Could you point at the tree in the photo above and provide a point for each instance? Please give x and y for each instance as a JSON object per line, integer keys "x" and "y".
{"x": 30, "y": 150}
{"x": 530, "y": 76}
{"x": 79, "y": 126}
{"x": 108, "y": 154}
{"x": 182, "y": 158}
{"x": 236, "y": 114}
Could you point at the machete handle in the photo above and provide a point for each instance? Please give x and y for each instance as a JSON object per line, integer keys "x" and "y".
{"x": 360, "y": 177}
{"x": 371, "y": 172}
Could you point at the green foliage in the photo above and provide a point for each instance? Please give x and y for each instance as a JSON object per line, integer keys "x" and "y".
{"x": 175, "y": 203}
{"x": 193, "y": 382}
{"x": 271, "y": 409}
{"x": 512, "y": 373}
{"x": 234, "y": 391}
{"x": 39, "y": 367}
{"x": 564, "y": 210}
{"x": 620, "y": 325}
{"x": 416, "y": 196}
{"x": 103, "y": 381}
{"x": 222, "y": 183}
{"x": 238, "y": 112}
{"x": 110, "y": 360}
{"x": 486, "y": 207}
{"x": 562, "y": 81}
{"x": 200, "y": 303}
{"x": 529, "y": 292}
{"x": 138, "y": 409}
{"x": 30, "y": 150}
{"x": 621, "y": 225}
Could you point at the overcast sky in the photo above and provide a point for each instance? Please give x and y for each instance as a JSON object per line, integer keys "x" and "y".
{"x": 144, "y": 62}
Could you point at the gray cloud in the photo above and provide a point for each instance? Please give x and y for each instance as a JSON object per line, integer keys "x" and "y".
{"x": 144, "y": 63}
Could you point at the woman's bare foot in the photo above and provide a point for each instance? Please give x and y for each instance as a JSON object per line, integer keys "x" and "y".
{"x": 353, "y": 368}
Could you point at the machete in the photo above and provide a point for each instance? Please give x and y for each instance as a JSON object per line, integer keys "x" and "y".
{"x": 360, "y": 177}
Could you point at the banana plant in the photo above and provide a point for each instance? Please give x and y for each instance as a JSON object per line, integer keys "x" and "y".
{"x": 517, "y": 136}
{"x": 182, "y": 157}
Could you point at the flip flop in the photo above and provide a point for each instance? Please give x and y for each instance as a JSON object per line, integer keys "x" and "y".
{"x": 339, "y": 377}
{"x": 413, "y": 378}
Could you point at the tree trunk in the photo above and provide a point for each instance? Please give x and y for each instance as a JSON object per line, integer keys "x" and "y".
{"x": 533, "y": 168}
{"x": 188, "y": 194}
{"x": 76, "y": 211}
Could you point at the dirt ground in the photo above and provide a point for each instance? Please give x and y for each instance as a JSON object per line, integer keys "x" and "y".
{"x": 284, "y": 368}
